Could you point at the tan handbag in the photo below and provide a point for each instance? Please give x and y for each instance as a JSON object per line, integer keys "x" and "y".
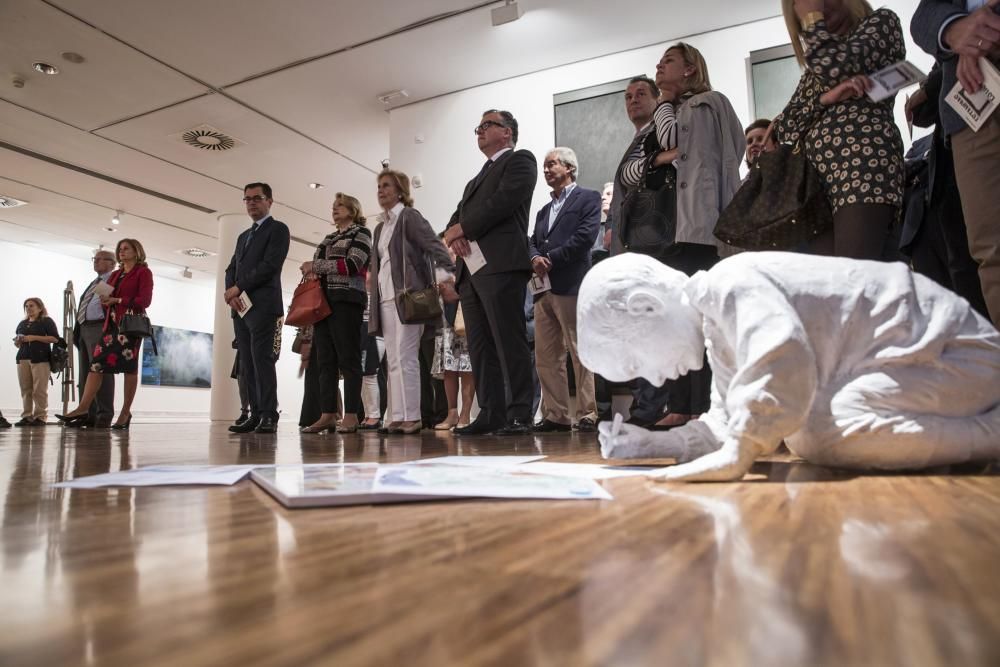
{"x": 459, "y": 322}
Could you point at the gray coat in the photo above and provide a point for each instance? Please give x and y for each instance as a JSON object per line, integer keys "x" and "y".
{"x": 414, "y": 241}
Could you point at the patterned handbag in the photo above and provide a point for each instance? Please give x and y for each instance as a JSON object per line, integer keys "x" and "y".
{"x": 781, "y": 205}
{"x": 649, "y": 213}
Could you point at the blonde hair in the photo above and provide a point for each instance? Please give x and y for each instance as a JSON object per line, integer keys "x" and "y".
{"x": 38, "y": 302}
{"x": 698, "y": 83}
{"x": 858, "y": 9}
{"x": 352, "y": 205}
{"x": 402, "y": 182}
{"x": 140, "y": 252}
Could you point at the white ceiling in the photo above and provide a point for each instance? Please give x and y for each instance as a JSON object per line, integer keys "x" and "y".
{"x": 297, "y": 81}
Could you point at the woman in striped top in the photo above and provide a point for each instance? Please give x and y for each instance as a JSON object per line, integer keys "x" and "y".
{"x": 341, "y": 262}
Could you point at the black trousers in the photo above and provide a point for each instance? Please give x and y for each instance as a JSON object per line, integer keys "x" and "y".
{"x": 258, "y": 339}
{"x": 337, "y": 340}
{"x": 311, "y": 412}
{"x": 689, "y": 394}
{"x": 493, "y": 307}
{"x": 433, "y": 400}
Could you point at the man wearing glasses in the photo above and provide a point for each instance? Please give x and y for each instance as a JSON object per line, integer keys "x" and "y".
{"x": 491, "y": 224}
{"x": 256, "y": 269}
{"x": 86, "y": 334}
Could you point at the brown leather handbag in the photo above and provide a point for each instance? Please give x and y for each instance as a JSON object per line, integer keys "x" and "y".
{"x": 308, "y": 305}
{"x": 780, "y": 206}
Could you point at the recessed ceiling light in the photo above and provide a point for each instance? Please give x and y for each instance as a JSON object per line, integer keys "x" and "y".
{"x": 316, "y": 186}
{"x": 45, "y": 68}
{"x": 73, "y": 57}
{"x": 109, "y": 229}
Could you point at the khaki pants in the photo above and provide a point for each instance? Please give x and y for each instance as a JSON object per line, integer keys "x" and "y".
{"x": 34, "y": 381}
{"x": 555, "y": 335}
{"x": 977, "y": 168}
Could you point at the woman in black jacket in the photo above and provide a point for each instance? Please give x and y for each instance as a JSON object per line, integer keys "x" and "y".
{"x": 35, "y": 335}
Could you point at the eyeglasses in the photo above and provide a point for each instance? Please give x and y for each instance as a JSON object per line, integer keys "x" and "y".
{"x": 257, "y": 198}
{"x": 485, "y": 125}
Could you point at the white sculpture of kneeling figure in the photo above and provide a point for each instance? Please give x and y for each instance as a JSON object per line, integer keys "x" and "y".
{"x": 852, "y": 363}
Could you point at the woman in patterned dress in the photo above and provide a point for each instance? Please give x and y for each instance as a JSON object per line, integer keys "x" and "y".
{"x": 117, "y": 352}
{"x": 852, "y": 141}
{"x": 452, "y": 363}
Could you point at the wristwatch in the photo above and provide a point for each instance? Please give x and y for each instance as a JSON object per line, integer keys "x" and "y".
{"x": 811, "y": 19}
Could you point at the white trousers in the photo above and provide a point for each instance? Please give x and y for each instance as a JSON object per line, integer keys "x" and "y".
{"x": 402, "y": 349}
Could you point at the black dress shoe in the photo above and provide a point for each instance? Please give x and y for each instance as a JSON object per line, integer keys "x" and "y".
{"x": 267, "y": 425}
{"x": 4, "y": 423}
{"x": 476, "y": 427}
{"x": 244, "y": 415}
{"x": 586, "y": 425}
{"x": 24, "y": 421}
{"x": 549, "y": 426}
{"x": 246, "y": 427}
{"x": 514, "y": 427}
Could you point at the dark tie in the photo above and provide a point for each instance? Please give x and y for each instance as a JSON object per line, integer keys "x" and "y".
{"x": 482, "y": 174}
{"x": 246, "y": 244}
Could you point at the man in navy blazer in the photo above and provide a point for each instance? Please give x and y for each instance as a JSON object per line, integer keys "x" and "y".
{"x": 958, "y": 33}
{"x": 256, "y": 269}
{"x": 493, "y": 213}
{"x": 565, "y": 231}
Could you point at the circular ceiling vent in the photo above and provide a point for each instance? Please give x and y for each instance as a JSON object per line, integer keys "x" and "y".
{"x": 209, "y": 140}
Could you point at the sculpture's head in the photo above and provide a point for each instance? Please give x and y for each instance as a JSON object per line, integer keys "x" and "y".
{"x": 634, "y": 320}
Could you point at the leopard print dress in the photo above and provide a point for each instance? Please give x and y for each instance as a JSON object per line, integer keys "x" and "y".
{"x": 855, "y": 145}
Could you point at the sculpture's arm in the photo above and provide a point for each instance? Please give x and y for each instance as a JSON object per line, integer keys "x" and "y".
{"x": 684, "y": 443}
{"x": 727, "y": 463}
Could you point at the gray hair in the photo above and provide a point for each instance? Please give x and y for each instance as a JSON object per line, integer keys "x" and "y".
{"x": 568, "y": 157}
{"x": 104, "y": 252}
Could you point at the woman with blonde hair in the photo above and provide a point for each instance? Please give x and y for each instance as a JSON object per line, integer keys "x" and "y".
{"x": 852, "y": 141}
{"x": 341, "y": 262}
{"x": 698, "y": 141}
{"x": 403, "y": 250}
{"x": 35, "y": 335}
{"x": 117, "y": 352}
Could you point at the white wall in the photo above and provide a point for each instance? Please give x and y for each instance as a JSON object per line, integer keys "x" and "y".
{"x": 179, "y": 303}
{"x": 448, "y": 157}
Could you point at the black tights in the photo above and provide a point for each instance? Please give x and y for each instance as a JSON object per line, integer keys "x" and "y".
{"x": 859, "y": 232}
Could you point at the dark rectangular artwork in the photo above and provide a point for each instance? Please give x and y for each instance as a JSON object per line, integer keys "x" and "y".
{"x": 184, "y": 359}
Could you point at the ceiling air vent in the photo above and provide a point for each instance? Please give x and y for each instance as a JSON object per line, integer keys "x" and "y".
{"x": 10, "y": 202}
{"x": 209, "y": 138}
{"x": 197, "y": 252}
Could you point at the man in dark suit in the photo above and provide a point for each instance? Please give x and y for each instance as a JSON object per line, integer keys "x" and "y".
{"x": 560, "y": 244}
{"x": 491, "y": 223}
{"x": 958, "y": 33}
{"x": 256, "y": 269}
{"x": 86, "y": 334}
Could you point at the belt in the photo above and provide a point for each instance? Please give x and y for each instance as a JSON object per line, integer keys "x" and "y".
{"x": 100, "y": 321}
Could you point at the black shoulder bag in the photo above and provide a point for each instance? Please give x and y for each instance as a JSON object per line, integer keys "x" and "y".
{"x": 649, "y": 212}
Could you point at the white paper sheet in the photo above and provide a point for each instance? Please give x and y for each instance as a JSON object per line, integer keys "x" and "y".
{"x": 890, "y": 80}
{"x": 163, "y": 476}
{"x": 539, "y": 284}
{"x": 475, "y": 260}
{"x": 244, "y": 298}
{"x": 481, "y": 461}
{"x": 586, "y": 470}
{"x": 975, "y": 108}
{"x": 479, "y": 482}
{"x": 103, "y": 289}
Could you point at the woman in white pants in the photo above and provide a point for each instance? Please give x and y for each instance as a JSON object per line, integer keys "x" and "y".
{"x": 403, "y": 250}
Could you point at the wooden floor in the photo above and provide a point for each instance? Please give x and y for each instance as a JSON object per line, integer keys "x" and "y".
{"x": 797, "y": 565}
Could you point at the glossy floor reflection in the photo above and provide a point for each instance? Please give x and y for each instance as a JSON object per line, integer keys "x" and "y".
{"x": 796, "y": 565}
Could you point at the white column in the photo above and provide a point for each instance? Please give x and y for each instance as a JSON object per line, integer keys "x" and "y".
{"x": 225, "y": 392}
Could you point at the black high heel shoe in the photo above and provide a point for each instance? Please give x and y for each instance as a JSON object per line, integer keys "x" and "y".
{"x": 71, "y": 419}
{"x": 122, "y": 427}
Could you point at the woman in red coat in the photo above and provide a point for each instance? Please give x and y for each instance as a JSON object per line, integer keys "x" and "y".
{"x": 117, "y": 352}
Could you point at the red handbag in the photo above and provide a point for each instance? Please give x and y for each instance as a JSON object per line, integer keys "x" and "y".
{"x": 308, "y": 305}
